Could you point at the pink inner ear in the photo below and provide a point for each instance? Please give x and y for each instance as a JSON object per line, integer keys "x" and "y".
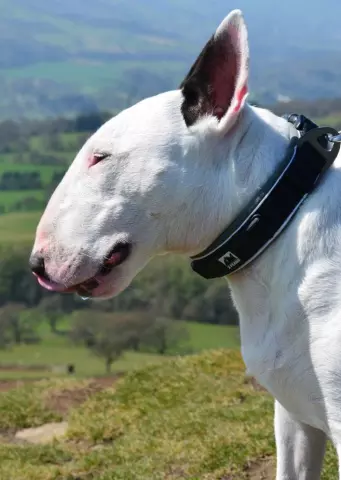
{"x": 240, "y": 95}
{"x": 224, "y": 80}
{"x": 225, "y": 68}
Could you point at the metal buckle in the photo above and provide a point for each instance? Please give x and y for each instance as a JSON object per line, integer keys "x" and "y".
{"x": 335, "y": 138}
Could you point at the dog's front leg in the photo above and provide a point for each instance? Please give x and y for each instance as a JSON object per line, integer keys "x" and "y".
{"x": 300, "y": 448}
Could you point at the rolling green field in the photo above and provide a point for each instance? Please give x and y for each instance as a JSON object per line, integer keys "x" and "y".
{"x": 56, "y": 351}
{"x": 46, "y": 171}
{"x": 66, "y": 145}
{"x": 90, "y": 76}
{"x": 8, "y": 198}
{"x": 203, "y": 336}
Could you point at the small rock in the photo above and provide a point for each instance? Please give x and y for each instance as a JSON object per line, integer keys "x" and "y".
{"x": 44, "y": 434}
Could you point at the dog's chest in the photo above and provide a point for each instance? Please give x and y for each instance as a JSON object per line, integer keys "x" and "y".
{"x": 299, "y": 364}
{"x": 287, "y": 374}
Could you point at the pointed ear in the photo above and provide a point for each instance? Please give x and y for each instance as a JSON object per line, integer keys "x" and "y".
{"x": 217, "y": 84}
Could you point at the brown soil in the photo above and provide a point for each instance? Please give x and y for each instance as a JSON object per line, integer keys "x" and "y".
{"x": 96, "y": 384}
{"x": 262, "y": 470}
{"x": 60, "y": 401}
{"x": 63, "y": 400}
{"x": 6, "y": 385}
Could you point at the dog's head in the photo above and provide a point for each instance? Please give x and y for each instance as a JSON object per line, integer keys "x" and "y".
{"x": 142, "y": 184}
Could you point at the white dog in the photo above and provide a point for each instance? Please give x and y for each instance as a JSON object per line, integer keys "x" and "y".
{"x": 169, "y": 175}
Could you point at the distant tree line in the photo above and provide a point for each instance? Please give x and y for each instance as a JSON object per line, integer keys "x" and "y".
{"x": 109, "y": 335}
{"x": 167, "y": 286}
{"x": 314, "y": 109}
{"x": 10, "y": 180}
{"x": 106, "y": 335}
{"x": 144, "y": 318}
{"x": 14, "y": 135}
{"x": 20, "y": 181}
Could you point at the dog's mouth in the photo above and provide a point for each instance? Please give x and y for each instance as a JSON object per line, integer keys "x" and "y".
{"x": 112, "y": 260}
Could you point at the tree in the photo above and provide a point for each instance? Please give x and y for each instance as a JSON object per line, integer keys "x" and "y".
{"x": 52, "y": 141}
{"x": 213, "y": 306}
{"x": 51, "y": 307}
{"x": 134, "y": 326}
{"x": 106, "y": 335}
{"x": 17, "y": 324}
{"x": 167, "y": 336}
{"x": 17, "y": 284}
{"x": 10, "y": 320}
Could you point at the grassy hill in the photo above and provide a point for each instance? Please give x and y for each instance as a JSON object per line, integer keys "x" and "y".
{"x": 195, "y": 418}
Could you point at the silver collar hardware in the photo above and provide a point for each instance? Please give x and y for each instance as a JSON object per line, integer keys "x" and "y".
{"x": 335, "y": 138}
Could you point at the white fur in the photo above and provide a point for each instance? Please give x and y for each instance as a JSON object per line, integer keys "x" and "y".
{"x": 169, "y": 188}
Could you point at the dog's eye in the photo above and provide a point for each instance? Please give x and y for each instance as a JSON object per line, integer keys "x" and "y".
{"x": 98, "y": 157}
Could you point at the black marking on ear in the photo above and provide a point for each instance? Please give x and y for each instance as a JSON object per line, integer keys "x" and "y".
{"x": 209, "y": 86}
{"x": 195, "y": 88}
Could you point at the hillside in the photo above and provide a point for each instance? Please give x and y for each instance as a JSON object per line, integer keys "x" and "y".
{"x": 73, "y": 56}
{"x": 197, "y": 417}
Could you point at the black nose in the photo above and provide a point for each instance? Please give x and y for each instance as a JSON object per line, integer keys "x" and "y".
{"x": 37, "y": 265}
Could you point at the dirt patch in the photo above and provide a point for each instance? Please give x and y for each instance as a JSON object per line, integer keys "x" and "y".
{"x": 6, "y": 385}
{"x": 262, "y": 470}
{"x": 62, "y": 401}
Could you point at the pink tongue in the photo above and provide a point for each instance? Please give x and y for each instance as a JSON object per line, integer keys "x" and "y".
{"x": 52, "y": 286}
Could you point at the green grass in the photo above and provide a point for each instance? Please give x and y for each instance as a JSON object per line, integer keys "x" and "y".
{"x": 18, "y": 228}
{"x": 195, "y": 418}
{"x": 10, "y": 197}
{"x": 204, "y": 336}
{"x": 333, "y": 120}
{"x": 58, "y": 356}
{"x": 24, "y": 407}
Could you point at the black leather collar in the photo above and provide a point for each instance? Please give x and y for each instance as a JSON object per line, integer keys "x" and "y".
{"x": 308, "y": 157}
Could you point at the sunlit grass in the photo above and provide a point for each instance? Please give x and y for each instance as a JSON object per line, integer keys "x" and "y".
{"x": 196, "y": 418}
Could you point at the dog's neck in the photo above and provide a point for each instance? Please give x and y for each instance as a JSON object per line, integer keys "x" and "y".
{"x": 259, "y": 143}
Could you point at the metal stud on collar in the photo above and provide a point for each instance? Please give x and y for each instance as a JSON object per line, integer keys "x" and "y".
{"x": 335, "y": 138}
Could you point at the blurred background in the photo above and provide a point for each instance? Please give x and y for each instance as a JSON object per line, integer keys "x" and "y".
{"x": 116, "y": 377}
{"x": 65, "y": 67}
